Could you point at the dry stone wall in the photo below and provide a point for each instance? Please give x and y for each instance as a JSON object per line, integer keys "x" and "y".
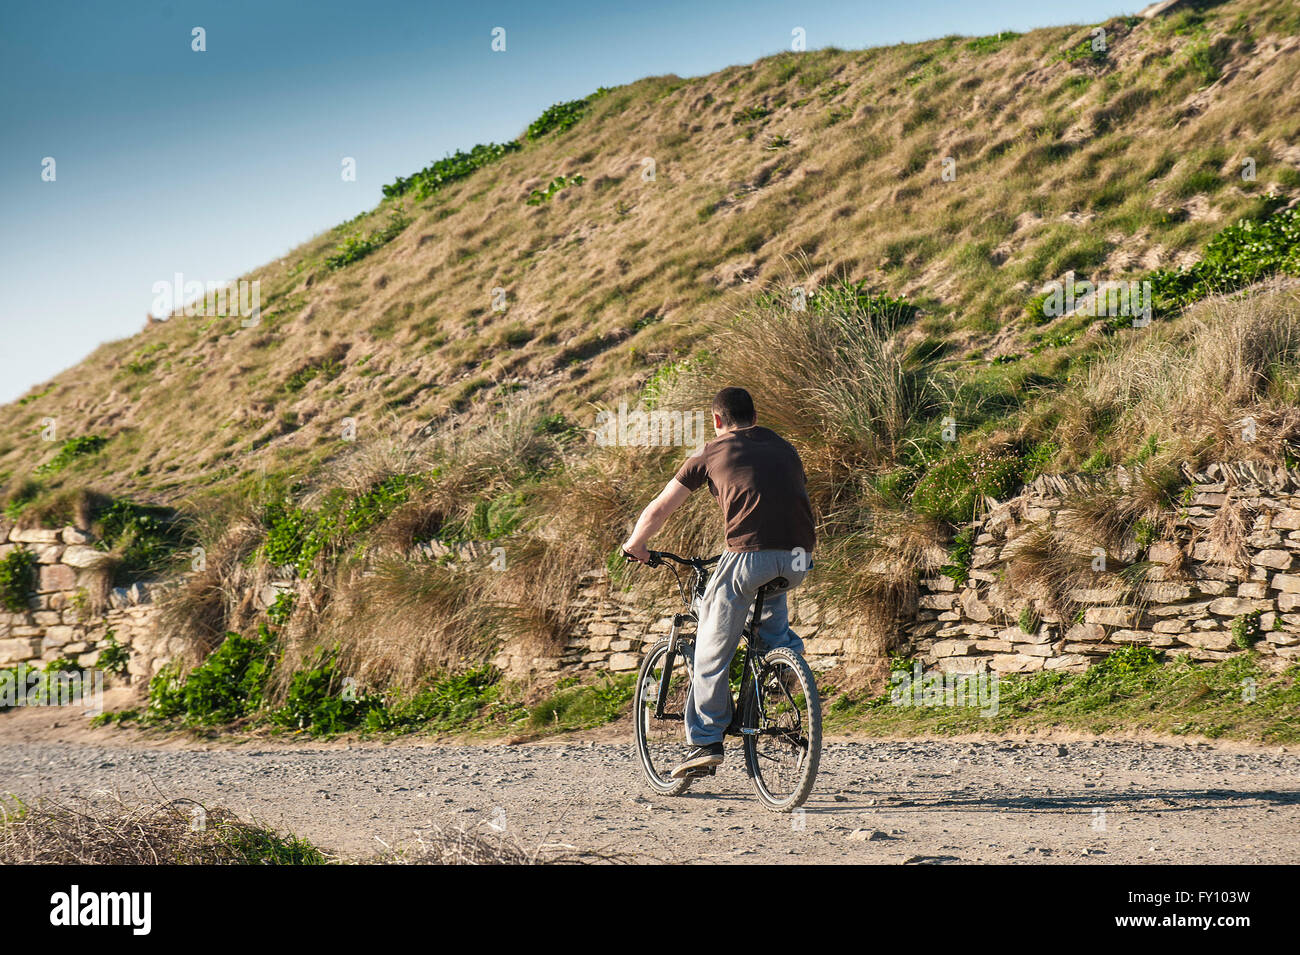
{"x": 59, "y": 620}
{"x": 613, "y": 628}
{"x": 1206, "y": 571}
{"x": 1187, "y": 601}
{"x": 1194, "y": 588}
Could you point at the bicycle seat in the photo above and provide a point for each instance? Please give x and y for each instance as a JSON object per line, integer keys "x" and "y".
{"x": 776, "y": 583}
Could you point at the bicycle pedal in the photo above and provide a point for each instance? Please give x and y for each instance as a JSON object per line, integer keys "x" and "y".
{"x": 702, "y": 771}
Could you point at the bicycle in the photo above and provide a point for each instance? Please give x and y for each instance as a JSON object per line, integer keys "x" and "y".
{"x": 777, "y": 713}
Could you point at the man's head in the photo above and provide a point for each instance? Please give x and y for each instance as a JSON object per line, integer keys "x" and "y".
{"x": 732, "y": 408}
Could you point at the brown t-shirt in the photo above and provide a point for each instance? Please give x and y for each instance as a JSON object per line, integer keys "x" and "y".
{"x": 757, "y": 477}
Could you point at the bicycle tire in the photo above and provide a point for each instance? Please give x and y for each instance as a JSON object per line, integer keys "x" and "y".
{"x": 654, "y": 755}
{"x": 811, "y": 723}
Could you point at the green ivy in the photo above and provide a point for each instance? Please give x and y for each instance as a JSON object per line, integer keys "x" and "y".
{"x": 17, "y": 579}
{"x": 453, "y": 168}
{"x": 227, "y": 686}
{"x": 562, "y": 116}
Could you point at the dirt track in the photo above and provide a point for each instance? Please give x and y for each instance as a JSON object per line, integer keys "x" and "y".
{"x": 886, "y": 802}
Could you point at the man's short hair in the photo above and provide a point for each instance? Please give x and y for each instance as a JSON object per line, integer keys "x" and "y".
{"x": 735, "y": 407}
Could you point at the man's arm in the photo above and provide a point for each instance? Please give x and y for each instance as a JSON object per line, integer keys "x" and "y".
{"x": 653, "y": 517}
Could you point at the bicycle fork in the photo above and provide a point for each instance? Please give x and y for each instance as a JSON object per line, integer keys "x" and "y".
{"x": 666, "y": 673}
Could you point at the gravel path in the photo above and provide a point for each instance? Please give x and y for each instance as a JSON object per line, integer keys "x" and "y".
{"x": 887, "y": 802}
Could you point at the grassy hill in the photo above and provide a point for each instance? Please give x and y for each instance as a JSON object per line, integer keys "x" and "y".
{"x": 641, "y": 245}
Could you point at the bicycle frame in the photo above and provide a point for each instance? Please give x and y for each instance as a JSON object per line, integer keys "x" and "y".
{"x": 749, "y": 685}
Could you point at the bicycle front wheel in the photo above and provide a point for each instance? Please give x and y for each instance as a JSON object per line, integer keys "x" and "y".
{"x": 661, "y": 734}
{"x": 783, "y": 731}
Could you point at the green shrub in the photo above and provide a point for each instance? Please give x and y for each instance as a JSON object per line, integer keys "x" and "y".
{"x": 17, "y": 579}
{"x": 538, "y": 196}
{"x": 321, "y": 702}
{"x": 72, "y": 449}
{"x": 145, "y": 537}
{"x": 750, "y": 114}
{"x": 1246, "y": 630}
{"x": 357, "y": 246}
{"x": 1029, "y": 621}
{"x": 450, "y": 701}
{"x": 954, "y": 489}
{"x": 987, "y": 44}
{"x": 20, "y": 497}
{"x": 227, "y": 686}
{"x": 296, "y": 536}
{"x": 1132, "y": 659}
{"x": 562, "y": 116}
{"x": 1237, "y": 256}
{"x": 959, "y": 559}
{"x": 584, "y": 706}
{"x": 451, "y": 169}
{"x": 1083, "y": 51}
{"x": 113, "y": 657}
{"x": 282, "y": 608}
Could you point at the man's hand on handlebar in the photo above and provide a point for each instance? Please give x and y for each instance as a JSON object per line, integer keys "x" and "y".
{"x": 637, "y": 552}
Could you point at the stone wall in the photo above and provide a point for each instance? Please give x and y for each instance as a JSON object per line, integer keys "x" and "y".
{"x": 1186, "y": 601}
{"x": 60, "y": 620}
{"x": 613, "y": 627}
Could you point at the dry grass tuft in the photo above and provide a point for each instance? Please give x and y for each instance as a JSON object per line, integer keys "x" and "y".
{"x": 834, "y": 384}
{"x": 474, "y": 845}
{"x": 112, "y": 832}
{"x": 1222, "y": 381}
{"x": 394, "y": 625}
{"x": 1228, "y": 530}
{"x": 219, "y": 597}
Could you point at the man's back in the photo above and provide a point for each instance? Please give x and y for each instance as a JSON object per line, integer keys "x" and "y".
{"x": 760, "y": 483}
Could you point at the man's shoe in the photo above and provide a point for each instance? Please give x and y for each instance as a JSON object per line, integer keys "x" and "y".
{"x": 699, "y": 761}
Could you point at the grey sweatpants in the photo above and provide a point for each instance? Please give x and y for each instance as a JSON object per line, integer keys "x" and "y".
{"x": 723, "y": 610}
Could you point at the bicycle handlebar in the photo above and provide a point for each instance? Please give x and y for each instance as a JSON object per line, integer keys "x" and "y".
{"x": 657, "y": 558}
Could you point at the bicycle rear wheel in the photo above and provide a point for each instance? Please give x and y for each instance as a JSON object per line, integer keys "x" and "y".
{"x": 660, "y": 740}
{"x": 783, "y": 754}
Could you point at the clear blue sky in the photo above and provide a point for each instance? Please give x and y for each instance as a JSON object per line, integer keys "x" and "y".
{"x": 213, "y": 163}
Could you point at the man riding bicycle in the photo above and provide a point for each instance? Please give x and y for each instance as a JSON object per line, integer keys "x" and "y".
{"x": 760, "y": 483}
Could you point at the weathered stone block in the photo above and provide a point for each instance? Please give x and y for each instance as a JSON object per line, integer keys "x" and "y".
{"x": 19, "y": 648}
{"x": 1276, "y": 559}
{"x": 53, "y": 577}
{"x": 1287, "y": 583}
{"x": 622, "y": 662}
{"x": 1113, "y": 616}
{"x": 1236, "y": 606}
{"x": 950, "y": 648}
{"x": 975, "y": 608}
{"x": 1015, "y": 663}
{"x": 1067, "y": 661}
{"x": 1287, "y": 520}
{"x": 33, "y": 535}
{"x": 1164, "y": 552}
{"x": 82, "y": 557}
{"x": 1086, "y": 632}
{"x": 1207, "y": 639}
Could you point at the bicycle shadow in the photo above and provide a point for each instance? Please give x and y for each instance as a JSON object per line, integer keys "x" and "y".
{"x": 1146, "y": 801}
